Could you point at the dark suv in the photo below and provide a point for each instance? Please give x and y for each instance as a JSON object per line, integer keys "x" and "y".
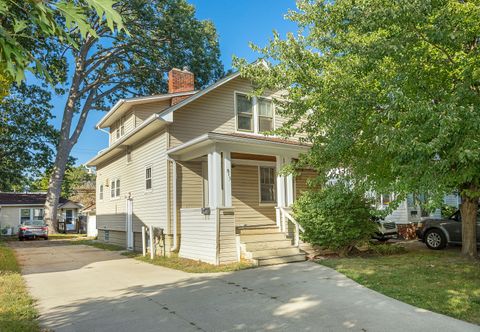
{"x": 437, "y": 233}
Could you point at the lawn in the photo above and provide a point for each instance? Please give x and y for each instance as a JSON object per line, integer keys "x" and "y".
{"x": 191, "y": 266}
{"x": 17, "y": 310}
{"x": 62, "y": 236}
{"x": 440, "y": 281}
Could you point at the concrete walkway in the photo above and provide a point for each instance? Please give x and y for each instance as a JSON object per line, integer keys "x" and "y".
{"x": 81, "y": 288}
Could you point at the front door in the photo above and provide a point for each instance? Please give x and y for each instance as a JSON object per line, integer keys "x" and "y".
{"x": 129, "y": 224}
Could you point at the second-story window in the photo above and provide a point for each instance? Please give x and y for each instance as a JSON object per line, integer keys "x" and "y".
{"x": 148, "y": 178}
{"x": 122, "y": 126}
{"x": 265, "y": 115}
{"x": 244, "y": 112}
{"x": 255, "y": 114}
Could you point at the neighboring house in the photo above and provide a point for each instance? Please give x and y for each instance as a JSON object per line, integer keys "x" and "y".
{"x": 91, "y": 220}
{"x": 17, "y": 208}
{"x": 198, "y": 165}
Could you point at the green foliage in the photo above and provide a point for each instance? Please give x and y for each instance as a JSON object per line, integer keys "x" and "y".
{"x": 386, "y": 89}
{"x": 335, "y": 217}
{"x": 26, "y": 136}
{"x": 26, "y": 23}
{"x": 448, "y": 210}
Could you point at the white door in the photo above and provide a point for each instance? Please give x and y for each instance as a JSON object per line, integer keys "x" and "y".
{"x": 129, "y": 224}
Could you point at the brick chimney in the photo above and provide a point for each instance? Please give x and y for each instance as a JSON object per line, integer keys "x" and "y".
{"x": 180, "y": 80}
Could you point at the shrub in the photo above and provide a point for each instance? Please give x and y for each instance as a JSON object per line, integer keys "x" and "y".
{"x": 336, "y": 217}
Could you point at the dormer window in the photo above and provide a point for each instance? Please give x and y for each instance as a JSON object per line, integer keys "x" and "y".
{"x": 120, "y": 128}
{"x": 254, "y": 114}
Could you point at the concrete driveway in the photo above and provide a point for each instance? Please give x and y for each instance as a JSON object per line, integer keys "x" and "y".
{"x": 81, "y": 288}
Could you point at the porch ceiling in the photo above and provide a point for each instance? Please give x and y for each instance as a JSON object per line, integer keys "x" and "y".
{"x": 240, "y": 143}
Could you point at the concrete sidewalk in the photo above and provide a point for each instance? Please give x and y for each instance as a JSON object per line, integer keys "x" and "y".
{"x": 81, "y": 288}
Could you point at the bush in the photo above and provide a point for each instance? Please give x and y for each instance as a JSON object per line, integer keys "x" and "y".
{"x": 335, "y": 217}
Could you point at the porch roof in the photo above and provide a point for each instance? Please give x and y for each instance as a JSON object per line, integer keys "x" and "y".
{"x": 237, "y": 142}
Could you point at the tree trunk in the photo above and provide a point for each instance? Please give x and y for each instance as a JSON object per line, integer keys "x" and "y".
{"x": 55, "y": 186}
{"x": 468, "y": 212}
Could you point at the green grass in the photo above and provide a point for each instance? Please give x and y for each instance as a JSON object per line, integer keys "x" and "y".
{"x": 99, "y": 245}
{"x": 440, "y": 281}
{"x": 17, "y": 308}
{"x": 189, "y": 265}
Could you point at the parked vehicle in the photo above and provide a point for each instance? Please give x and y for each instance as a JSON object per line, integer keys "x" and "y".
{"x": 386, "y": 230}
{"x": 437, "y": 233}
{"x": 33, "y": 229}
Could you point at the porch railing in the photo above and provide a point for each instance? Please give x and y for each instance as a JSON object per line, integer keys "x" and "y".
{"x": 285, "y": 214}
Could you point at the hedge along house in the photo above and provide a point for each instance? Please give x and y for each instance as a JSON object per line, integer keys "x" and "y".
{"x": 199, "y": 165}
{"x": 19, "y": 208}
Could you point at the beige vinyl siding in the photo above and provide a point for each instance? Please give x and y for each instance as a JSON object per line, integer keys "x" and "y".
{"x": 228, "y": 245}
{"x": 128, "y": 124}
{"x": 245, "y": 198}
{"x": 10, "y": 216}
{"x": 142, "y": 112}
{"x": 115, "y": 237}
{"x": 189, "y": 184}
{"x": 213, "y": 112}
{"x": 149, "y": 207}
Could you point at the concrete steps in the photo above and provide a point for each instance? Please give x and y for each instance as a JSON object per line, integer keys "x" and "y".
{"x": 266, "y": 245}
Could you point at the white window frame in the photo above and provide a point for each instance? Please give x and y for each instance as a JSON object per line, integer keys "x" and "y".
{"x": 31, "y": 213}
{"x": 151, "y": 178}
{"x": 255, "y": 113}
{"x": 128, "y": 154}
{"x": 101, "y": 192}
{"x": 115, "y": 196}
{"x": 260, "y": 202}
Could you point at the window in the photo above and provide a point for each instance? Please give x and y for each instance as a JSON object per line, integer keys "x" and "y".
{"x": 244, "y": 112}
{"x": 24, "y": 215}
{"x": 265, "y": 115}
{"x": 129, "y": 154}
{"x": 122, "y": 126}
{"x": 148, "y": 178}
{"x": 100, "y": 192}
{"x": 115, "y": 188}
{"x": 267, "y": 184}
{"x": 38, "y": 214}
{"x": 254, "y": 114}
{"x": 106, "y": 235}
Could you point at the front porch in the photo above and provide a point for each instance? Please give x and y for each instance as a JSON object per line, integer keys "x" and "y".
{"x": 223, "y": 184}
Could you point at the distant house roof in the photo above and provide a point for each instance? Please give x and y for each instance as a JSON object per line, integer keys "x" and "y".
{"x": 29, "y": 199}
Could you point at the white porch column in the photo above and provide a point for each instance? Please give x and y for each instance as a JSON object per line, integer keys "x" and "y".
{"x": 289, "y": 187}
{"x": 215, "y": 179}
{"x": 227, "y": 179}
{"x": 280, "y": 189}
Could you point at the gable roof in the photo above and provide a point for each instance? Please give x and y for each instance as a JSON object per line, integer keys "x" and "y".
{"x": 29, "y": 199}
{"x": 124, "y": 104}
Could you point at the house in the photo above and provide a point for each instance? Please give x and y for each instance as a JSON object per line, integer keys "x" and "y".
{"x": 18, "y": 208}
{"x": 199, "y": 166}
{"x": 89, "y": 212}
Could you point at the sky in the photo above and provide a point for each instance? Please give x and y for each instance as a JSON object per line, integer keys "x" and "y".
{"x": 238, "y": 22}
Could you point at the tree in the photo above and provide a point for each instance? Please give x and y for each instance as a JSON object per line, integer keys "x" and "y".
{"x": 24, "y": 25}
{"x": 109, "y": 65}
{"x": 388, "y": 91}
{"x": 27, "y": 138}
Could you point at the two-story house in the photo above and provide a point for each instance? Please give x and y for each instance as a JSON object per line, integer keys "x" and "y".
{"x": 198, "y": 165}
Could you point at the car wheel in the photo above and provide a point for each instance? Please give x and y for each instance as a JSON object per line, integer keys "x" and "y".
{"x": 45, "y": 238}
{"x": 435, "y": 239}
{"x": 20, "y": 239}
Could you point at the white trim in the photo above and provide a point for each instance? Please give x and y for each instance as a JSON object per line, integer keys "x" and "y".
{"x": 235, "y": 113}
{"x": 255, "y": 113}
{"x": 116, "y": 197}
{"x": 147, "y": 166}
{"x": 227, "y": 179}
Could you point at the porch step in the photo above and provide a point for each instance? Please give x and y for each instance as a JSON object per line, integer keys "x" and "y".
{"x": 273, "y": 260}
{"x": 262, "y": 237}
{"x": 267, "y": 229}
{"x": 264, "y": 245}
{"x": 288, "y": 251}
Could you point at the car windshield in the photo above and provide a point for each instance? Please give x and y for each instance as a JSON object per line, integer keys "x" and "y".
{"x": 34, "y": 223}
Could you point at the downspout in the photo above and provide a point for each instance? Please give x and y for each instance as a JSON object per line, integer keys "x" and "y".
{"x": 174, "y": 204}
